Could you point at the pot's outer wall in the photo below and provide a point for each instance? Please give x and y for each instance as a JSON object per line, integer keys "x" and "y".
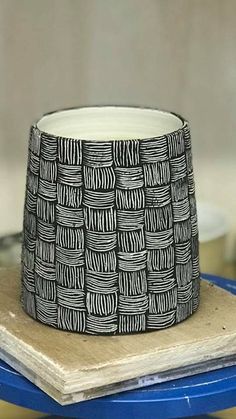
{"x": 110, "y": 233}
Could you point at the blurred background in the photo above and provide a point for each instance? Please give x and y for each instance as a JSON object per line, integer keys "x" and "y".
{"x": 177, "y": 55}
{"x": 173, "y": 54}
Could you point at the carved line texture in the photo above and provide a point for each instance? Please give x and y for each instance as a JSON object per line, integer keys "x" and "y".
{"x": 110, "y": 233}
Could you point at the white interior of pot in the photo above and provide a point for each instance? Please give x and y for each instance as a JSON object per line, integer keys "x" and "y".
{"x": 109, "y": 123}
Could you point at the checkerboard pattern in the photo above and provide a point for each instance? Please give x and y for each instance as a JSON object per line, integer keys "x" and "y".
{"x": 110, "y": 233}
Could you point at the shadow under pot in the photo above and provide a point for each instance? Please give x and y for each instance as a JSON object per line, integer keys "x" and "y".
{"x": 110, "y": 241}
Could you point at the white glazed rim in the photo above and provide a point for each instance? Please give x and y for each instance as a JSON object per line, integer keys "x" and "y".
{"x": 212, "y": 222}
{"x": 99, "y": 123}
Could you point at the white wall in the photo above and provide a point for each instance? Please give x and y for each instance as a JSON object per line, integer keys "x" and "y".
{"x": 173, "y": 54}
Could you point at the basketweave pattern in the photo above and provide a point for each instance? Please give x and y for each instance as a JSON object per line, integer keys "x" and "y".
{"x": 110, "y": 233}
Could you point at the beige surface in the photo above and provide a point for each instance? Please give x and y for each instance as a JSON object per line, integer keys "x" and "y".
{"x": 225, "y": 414}
{"x": 74, "y": 367}
{"x": 229, "y": 271}
{"x": 10, "y": 411}
{"x": 212, "y": 254}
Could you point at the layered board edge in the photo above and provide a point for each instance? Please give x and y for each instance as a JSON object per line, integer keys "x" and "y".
{"x": 114, "y": 388}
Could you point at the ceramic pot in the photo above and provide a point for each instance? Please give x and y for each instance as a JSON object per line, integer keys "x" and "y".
{"x": 110, "y": 227}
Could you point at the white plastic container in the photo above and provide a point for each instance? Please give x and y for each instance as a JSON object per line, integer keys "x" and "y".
{"x": 213, "y": 229}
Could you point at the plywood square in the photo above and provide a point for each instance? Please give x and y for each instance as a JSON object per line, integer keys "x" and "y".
{"x": 73, "y": 367}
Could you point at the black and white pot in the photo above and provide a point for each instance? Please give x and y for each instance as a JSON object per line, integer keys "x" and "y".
{"x": 110, "y": 240}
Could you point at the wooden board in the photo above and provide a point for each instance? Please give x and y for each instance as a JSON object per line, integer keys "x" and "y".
{"x": 72, "y": 367}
